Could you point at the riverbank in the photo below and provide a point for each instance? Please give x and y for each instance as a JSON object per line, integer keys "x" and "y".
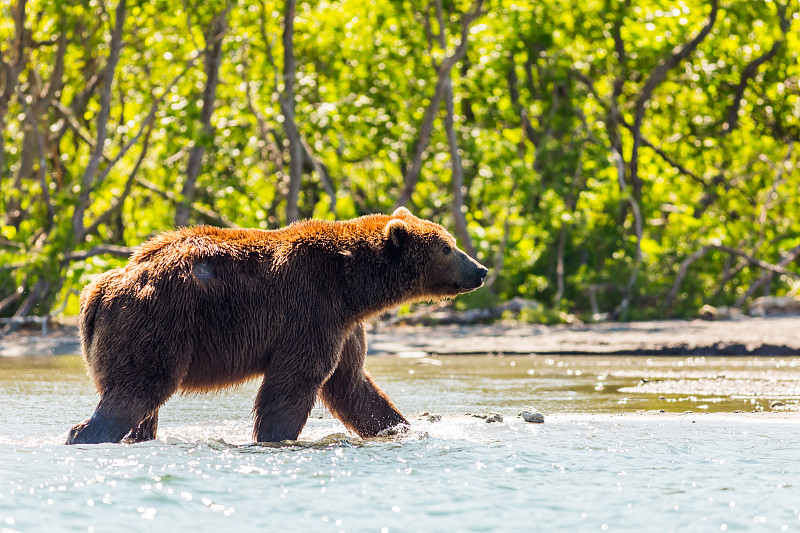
{"x": 777, "y": 336}
{"x": 747, "y": 336}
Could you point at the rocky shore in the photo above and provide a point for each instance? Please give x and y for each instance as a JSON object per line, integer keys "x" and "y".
{"x": 746, "y": 336}
{"x": 778, "y": 336}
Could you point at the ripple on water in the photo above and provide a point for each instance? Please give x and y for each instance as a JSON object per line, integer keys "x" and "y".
{"x": 575, "y": 472}
{"x": 456, "y": 474}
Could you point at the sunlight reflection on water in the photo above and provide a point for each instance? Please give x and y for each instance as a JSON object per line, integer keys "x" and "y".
{"x": 584, "y": 469}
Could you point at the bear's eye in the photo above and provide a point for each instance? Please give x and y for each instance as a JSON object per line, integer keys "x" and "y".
{"x": 446, "y": 250}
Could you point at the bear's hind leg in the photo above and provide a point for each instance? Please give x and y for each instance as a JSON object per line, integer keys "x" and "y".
{"x": 134, "y": 381}
{"x": 109, "y": 423}
{"x": 130, "y": 407}
{"x": 352, "y": 396}
{"x": 146, "y": 430}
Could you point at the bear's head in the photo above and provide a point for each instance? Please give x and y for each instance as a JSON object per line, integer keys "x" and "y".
{"x": 431, "y": 256}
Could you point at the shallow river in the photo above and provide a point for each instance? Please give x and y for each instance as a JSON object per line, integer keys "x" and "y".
{"x": 606, "y": 457}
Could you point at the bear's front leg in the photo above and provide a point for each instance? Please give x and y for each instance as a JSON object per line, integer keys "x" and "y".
{"x": 282, "y": 409}
{"x": 352, "y": 396}
{"x": 288, "y": 392}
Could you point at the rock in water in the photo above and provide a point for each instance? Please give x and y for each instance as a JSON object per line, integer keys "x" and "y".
{"x": 529, "y": 414}
{"x": 494, "y": 417}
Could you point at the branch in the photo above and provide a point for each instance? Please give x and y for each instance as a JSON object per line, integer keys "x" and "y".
{"x": 10, "y": 243}
{"x": 39, "y": 140}
{"x": 204, "y": 211}
{"x": 262, "y": 28}
{"x": 660, "y": 72}
{"x": 35, "y": 294}
{"x": 17, "y": 264}
{"x": 123, "y": 251}
{"x": 638, "y": 224}
{"x": 71, "y": 121}
{"x": 273, "y": 147}
{"x": 94, "y": 78}
{"x": 10, "y": 71}
{"x": 684, "y": 269}
{"x": 56, "y": 77}
{"x": 14, "y": 67}
{"x": 322, "y": 171}
{"x": 728, "y": 275}
{"x": 732, "y": 116}
{"x": 622, "y": 58}
{"x": 793, "y": 253}
{"x": 102, "y": 120}
{"x": 118, "y": 201}
{"x": 456, "y": 165}
{"x": 110, "y": 249}
{"x": 762, "y": 216}
{"x": 613, "y": 115}
{"x": 213, "y": 58}
{"x": 271, "y": 150}
{"x": 148, "y": 123}
{"x": 614, "y": 118}
{"x": 177, "y": 156}
{"x": 656, "y": 77}
{"x": 513, "y": 92}
{"x": 414, "y": 167}
{"x": 9, "y": 300}
{"x": 777, "y": 269}
{"x": 572, "y": 202}
{"x": 16, "y": 320}
{"x": 677, "y": 166}
{"x": 700, "y": 252}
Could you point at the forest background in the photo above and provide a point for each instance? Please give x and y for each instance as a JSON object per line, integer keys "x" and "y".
{"x": 606, "y": 158}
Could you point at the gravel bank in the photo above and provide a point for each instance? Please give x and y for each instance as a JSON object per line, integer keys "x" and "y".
{"x": 749, "y": 336}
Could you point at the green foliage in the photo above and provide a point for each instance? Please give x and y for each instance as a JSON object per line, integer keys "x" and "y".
{"x": 545, "y": 95}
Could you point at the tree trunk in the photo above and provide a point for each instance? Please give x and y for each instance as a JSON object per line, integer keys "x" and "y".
{"x": 287, "y": 109}
{"x": 87, "y": 180}
{"x": 414, "y": 167}
{"x": 459, "y": 219}
{"x": 213, "y": 35}
{"x": 9, "y": 73}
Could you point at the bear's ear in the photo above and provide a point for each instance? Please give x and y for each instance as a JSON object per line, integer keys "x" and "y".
{"x": 396, "y": 231}
{"x": 402, "y": 212}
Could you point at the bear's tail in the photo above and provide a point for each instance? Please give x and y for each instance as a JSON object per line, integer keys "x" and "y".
{"x": 91, "y": 297}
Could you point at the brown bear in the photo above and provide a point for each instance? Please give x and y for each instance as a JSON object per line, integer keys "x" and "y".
{"x": 204, "y": 308}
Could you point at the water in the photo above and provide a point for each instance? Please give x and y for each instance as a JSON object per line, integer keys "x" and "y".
{"x": 605, "y": 458}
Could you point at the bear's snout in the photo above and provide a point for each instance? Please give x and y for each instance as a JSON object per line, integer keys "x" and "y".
{"x": 473, "y": 273}
{"x": 479, "y": 274}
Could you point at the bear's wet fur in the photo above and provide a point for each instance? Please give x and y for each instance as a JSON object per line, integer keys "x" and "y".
{"x": 203, "y": 308}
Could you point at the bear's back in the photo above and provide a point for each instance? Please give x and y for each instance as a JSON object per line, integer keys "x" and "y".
{"x": 202, "y": 242}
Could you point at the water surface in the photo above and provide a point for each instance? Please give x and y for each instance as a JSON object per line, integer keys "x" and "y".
{"x": 606, "y": 458}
